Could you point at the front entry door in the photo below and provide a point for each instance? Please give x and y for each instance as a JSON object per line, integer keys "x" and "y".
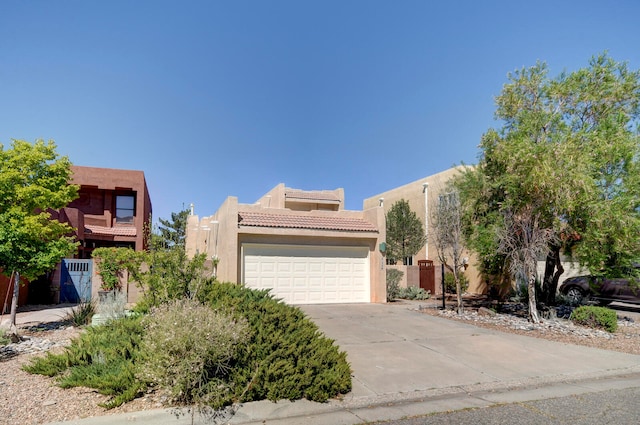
{"x": 427, "y": 276}
{"x": 75, "y": 281}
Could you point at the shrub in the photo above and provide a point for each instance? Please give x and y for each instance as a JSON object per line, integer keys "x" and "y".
{"x": 102, "y": 357}
{"x": 450, "y": 283}
{"x": 595, "y": 317}
{"x": 112, "y": 262}
{"x": 171, "y": 275}
{"x": 287, "y": 357}
{"x": 414, "y": 293}
{"x": 188, "y": 351}
{"x": 81, "y": 314}
{"x": 4, "y": 339}
{"x": 393, "y": 283}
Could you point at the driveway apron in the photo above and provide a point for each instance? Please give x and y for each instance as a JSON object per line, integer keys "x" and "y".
{"x": 397, "y": 351}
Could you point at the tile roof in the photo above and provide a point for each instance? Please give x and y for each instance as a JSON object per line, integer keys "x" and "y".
{"x": 256, "y": 219}
{"x": 110, "y": 231}
{"x": 311, "y": 195}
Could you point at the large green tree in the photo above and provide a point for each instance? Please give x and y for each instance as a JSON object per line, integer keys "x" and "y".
{"x": 34, "y": 179}
{"x": 562, "y": 171}
{"x": 405, "y": 232}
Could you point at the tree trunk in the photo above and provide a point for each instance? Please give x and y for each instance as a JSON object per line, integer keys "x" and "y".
{"x": 14, "y": 304}
{"x": 552, "y": 271}
{"x": 533, "y": 308}
{"x": 458, "y": 291}
{"x": 549, "y": 269}
{"x": 553, "y": 287}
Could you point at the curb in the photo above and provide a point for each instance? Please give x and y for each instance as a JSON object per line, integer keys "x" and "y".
{"x": 385, "y": 408}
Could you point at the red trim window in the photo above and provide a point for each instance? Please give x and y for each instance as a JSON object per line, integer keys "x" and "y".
{"x": 125, "y": 209}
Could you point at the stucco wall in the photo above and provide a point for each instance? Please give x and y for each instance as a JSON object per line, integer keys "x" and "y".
{"x": 100, "y": 187}
{"x": 6, "y": 286}
{"x": 423, "y": 201}
{"x": 571, "y": 268}
{"x": 131, "y": 288}
{"x": 221, "y": 235}
{"x": 410, "y": 275}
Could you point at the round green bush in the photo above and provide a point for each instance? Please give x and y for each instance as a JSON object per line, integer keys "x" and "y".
{"x": 450, "y": 283}
{"x": 595, "y": 317}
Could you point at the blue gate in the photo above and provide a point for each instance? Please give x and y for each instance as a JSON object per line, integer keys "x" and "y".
{"x": 75, "y": 281}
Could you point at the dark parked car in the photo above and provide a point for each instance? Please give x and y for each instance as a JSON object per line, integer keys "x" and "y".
{"x": 602, "y": 289}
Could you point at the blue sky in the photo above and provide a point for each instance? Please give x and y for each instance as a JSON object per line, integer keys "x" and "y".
{"x": 212, "y": 99}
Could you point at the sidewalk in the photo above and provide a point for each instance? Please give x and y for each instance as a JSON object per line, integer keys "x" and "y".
{"x": 37, "y": 314}
{"x": 406, "y": 363}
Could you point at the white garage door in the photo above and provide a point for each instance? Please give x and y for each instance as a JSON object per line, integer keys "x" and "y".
{"x": 308, "y": 274}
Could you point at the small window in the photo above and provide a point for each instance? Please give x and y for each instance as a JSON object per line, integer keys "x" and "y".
{"x": 125, "y": 208}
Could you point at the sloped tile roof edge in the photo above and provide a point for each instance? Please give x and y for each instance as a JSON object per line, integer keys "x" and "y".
{"x": 312, "y": 222}
{"x": 110, "y": 231}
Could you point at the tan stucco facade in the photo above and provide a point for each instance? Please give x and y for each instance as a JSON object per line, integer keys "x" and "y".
{"x": 422, "y": 196}
{"x": 222, "y": 235}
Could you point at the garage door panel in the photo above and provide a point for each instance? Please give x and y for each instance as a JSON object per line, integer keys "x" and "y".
{"x": 299, "y": 283}
{"x": 267, "y": 267}
{"x": 251, "y": 268}
{"x": 330, "y": 283}
{"x": 284, "y": 267}
{"x": 285, "y": 283}
{"x": 267, "y": 282}
{"x": 331, "y": 297}
{"x": 308, "y": 274}
{"x": 298, "y": 298}
{"x": 330, "y": 268}
{"x": 300, "y": 267}
{"x": 315, "y": 267}
{"x": 346, "y": 284}
{"x": 346, "y": 268}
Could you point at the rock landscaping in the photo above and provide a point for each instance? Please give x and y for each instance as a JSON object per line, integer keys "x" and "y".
{"x": 556, "y": 326}
{"x": 35, "y": 339}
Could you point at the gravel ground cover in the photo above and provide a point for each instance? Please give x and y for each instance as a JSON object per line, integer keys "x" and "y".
{"x": 557, "y": 327}
{"x": 35, "y": 399}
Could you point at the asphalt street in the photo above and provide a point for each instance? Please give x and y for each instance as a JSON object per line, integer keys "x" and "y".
{"x": 608, "y": 407}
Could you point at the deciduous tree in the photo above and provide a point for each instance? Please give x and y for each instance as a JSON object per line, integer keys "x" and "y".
{"x": 447, "y": 231}
{"x": 34, "y": 179}
{"x": 563, "y": 170}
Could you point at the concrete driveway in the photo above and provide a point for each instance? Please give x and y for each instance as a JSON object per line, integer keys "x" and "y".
{"x": 396, "y": 352}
